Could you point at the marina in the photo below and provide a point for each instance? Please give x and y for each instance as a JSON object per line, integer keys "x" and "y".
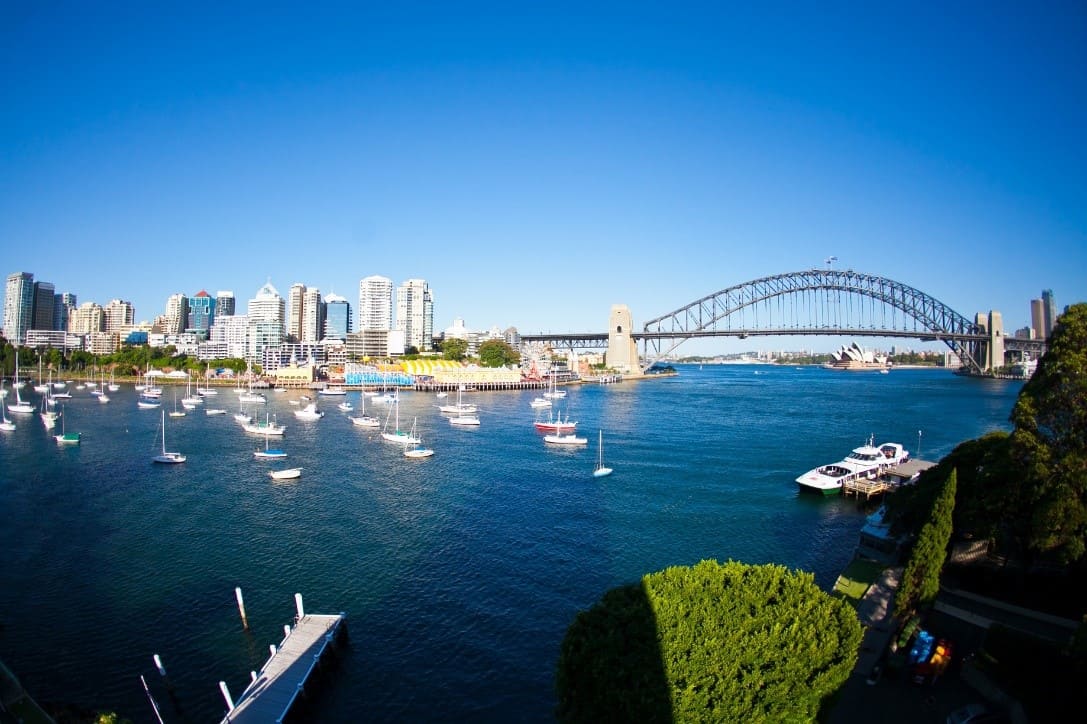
{"x": 467, "y": 566}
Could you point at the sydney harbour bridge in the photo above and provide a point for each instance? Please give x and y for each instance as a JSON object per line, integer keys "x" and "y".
{"x": 823, "y": 302}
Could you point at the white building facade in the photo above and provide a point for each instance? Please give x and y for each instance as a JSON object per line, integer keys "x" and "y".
{"x": 415, "y": 314}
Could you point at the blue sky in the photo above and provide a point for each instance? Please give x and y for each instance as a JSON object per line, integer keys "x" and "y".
{"x": 537, "y": 163}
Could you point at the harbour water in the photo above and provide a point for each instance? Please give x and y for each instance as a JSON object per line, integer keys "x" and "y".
{"x": 459, "y": 573}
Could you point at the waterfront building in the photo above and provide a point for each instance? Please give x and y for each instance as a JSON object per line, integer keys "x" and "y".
{"x": 18, "y": 306}
{"x": 267, "y": 311}
{"x": 101, "y": 343}
{"x": 367, "y": 344}
{"x": 119, "y": 315}
{"x": 313, "y": 316}
{"x": 201, "y": 312}
{"x": 42, "y": 316}
{"x": 177, "y": 313}
{"x": 459, "y": 331}
{"x": 63, "y": 304}
{"x": 53, "y": 338}
{"x": 337, "y": 317}
{"x": 224, "y": 303}
{"x": 415, "y": 314}
{"x": 230, "y": 337}
{"x": 86, "y": 318}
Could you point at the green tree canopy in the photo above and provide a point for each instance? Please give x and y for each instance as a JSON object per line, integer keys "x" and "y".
{"x": 454, "y": 349}
{"x": 712, "y": 642}
{"x": 1049, "y": 444}
{"x": 497, "y": 353}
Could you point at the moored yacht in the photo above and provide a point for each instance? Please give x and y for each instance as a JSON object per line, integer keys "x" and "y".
{"x": 864, "y": 462}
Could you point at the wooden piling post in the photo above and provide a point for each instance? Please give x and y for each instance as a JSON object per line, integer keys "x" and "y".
{"x": 241, "y": 607}
{"x": 298, "y": 606}
{"x": 159, "y": 666}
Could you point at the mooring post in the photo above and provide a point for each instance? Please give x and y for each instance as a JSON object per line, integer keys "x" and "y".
{"x": 241, "y": 607}
{"x": 286, "y": 630}
{"x": 252, "y": 675}
{"x": 226, "y": 695}
{"x": 298, "y": 606}
{"x": 272, "y": 648}
{"x": 159, "y": 666}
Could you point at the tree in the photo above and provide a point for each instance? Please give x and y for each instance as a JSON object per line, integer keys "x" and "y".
{"x": 1049, "y": 444}
{"x": 497, "y": 353}
{"x": 712, "y": 642}
{"x": 454, "y": 349}
{"x": 921, "y": 579}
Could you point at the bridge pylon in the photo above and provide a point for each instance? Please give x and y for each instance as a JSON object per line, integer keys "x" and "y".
{"x": 622, "y": 354}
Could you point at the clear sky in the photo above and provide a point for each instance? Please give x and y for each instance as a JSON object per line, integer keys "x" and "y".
{"x": 538, "y": 162}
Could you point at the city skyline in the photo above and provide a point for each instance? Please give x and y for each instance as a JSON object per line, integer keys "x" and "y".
{"x": 536, "y": 166}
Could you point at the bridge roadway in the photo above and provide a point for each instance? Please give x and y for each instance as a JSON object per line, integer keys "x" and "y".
{"x": 593, "y": 340}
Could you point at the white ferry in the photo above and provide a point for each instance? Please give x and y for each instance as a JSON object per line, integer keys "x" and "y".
{"x": 864, "y": 462}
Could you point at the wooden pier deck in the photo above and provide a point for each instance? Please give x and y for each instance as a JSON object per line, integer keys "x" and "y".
{"x": 269, "y": 697}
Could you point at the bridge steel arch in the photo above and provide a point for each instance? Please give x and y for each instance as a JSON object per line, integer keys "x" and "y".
{"x": 828, "y": 296}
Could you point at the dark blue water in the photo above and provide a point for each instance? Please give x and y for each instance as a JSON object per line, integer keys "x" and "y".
{"x": 459, "y": 573}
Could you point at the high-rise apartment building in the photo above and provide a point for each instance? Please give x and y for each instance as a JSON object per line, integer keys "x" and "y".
{"x": 224, "y": 304}
{"x": 337, "y": 317}
{"x": 201, "y": 312}
{"x": 375, "y": 304}
{"x": 177, "y": 313}
{"x": 88, "y": 317}
{"x": 43, "y": 305}
{"x": 18, "y": 306}
{"x": 63, "y": 304}
{"x": 266, "y": 316}
{"x": 313, "y": 316}
{"x": 233, "y": 332}
{"x": 296, "y": 301}
{"x": 415, "y": 314}
{"x": 1037, "y": 318}
{"x": 120, "y": 316}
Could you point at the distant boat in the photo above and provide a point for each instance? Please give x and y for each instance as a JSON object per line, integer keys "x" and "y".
{"x": 5, "y": 424}
{"x": 465, "y": 420}
{"x": 66, "y": 438}
{"x": 309, "y": 412}
{"x": 332, "y": 391}
{"x": 287, "y": 474}
{"x": 601, "y": 470}
{"x": 214, "y": 411}
{"x": 269, "y": 452}
{"x": 568, "y": 439}
{"x": 170, "y": 458}
{"x": 397, "y": 435}
{"x": 540, "y": 402}
{"x": 461, "y": 407}
{"x": 555, "y": 423}
{"x": 346, "y": 406}
{"x": 264, "y": 428}
{"x": 49, "y": 417}
{"x": 419, "y": 450}
{"x": 176, "y": 412}
{"x": 364, "y": 420}
{"x": 19, "y": 405}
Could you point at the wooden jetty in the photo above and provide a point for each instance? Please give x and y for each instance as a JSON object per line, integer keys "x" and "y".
{"x": 277, "y": 686}
{"x": 906, "y": 473}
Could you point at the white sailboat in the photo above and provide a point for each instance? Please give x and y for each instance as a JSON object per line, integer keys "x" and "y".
{"x": 419, "y": 450}
{"x": 364, "y": 420}
{"x": 309, "y": 412}
{"x": 461, "y": 407}
{"x": 49, "y": 417}
{"x": 42, "y": 387}
{"x": 20, "y": 406}
{"x": 268, "y": 427}
{"x": 176, "y": 412}
{"x": 601, "y": 470}
{"x": 287, "y": 474}
{"x": 398, "y": 435}
{"x": 169, "y": 458}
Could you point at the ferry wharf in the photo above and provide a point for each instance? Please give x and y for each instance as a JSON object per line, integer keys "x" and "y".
{"x": 279, "y": 684}
{"x": 888, "y": 480}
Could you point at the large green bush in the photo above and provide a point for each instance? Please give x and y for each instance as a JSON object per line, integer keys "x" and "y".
{"x": 712, "y": 642}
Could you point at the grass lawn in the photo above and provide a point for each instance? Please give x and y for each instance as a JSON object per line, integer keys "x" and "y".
{"x": 856, "y": 578}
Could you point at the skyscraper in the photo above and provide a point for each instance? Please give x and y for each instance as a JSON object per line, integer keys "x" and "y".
{"x": 415, "y": 314}
{"x": 375, "y": 304}
{"x": 1037, "y": 318}
{"x": 43, "y": 305}
{"x": 313, "y": 316}
{"x": 224, "y": 304}
{"x": 266, "y": 316}
{"x": 201, "y": 312}
{"x": 63, "y": 304}
{"x": 296, "y": 300}
{"x": 87, "y": 318}
{"x": 18, "y": 306}
{"x": 337, "y": 317}
{"x": 177, "y": 313}
{"x": 1049, "y": 310}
